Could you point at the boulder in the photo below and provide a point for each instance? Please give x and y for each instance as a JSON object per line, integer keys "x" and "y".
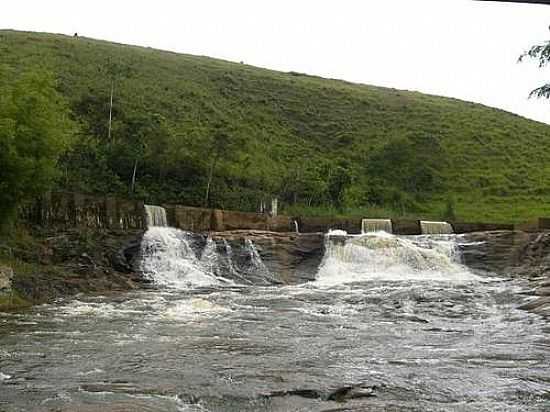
{"x": 6, "y": 276}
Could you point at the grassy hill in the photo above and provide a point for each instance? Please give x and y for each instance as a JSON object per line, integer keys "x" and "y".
{"x": 320, "y": 145}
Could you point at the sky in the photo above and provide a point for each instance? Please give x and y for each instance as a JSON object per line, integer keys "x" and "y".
{"x": 458, "y": 48}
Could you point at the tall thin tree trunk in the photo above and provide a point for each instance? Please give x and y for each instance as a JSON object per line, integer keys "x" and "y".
{"x": 210, "y": 175}
{"x": 133, "y": 185}
{"x": 111, "y": 110}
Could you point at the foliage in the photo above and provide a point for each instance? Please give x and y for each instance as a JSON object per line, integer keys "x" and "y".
{"x": 406, "y": 169}
{"x": 34, "y": 131}
{"x": 449, "y": 213}
{"x": 540, "y": 53}
{"x": 319, "y": 145}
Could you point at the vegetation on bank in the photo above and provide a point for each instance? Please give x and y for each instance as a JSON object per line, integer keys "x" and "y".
{"x": 35, "y": 130}
{"x": 201, "y": 131}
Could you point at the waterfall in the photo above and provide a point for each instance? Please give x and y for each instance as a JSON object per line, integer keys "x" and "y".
{"x": 168, "y": 259}
{"x": 233, "y": 272}
{"x": 376, "y": 225}
{"x": 296, "y": 227}
{"x": 435, "y": 228}
{"x": 257, "y": 268}
{"x": 156, "y": 216}
{"x": 382, "y": 256}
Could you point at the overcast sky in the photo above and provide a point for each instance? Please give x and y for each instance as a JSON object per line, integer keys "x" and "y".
{"x": 459, "y": 48}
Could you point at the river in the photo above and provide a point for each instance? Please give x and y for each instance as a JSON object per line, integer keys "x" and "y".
{"x": 389, "y": 324}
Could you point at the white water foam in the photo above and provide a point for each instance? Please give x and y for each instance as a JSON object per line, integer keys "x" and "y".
{"x": 192, "y": 308}
{"x": 382, "y": 256}
{"x": 169, "y": 260}
{"x": 337, "y": 232}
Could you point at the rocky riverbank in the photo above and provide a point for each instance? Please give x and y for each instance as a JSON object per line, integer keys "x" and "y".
{"x": 40, "y": 266}
{"x": 514, "y": 254}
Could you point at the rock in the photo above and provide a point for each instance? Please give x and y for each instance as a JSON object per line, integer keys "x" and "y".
{"x": 291, "y": 257}
{"x": 545, "y": 291}
{"x": 513, "y": 253}
{"x": 539, "y": 305}
{"x": 6, "y": 276}
{"x": 351, "y": 392}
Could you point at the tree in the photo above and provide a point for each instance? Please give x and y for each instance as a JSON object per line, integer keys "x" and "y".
{"x": 35, "y": 130}
{"x": 405, "y": 169}
{"x": 339, "y": 178}
{"x": 224, "y": 144}
{"x": 114, "y": 72}
{"x": 540, "y": 53}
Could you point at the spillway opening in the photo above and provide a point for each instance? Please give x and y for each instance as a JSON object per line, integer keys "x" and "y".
{"x": 155, "y": 216}
{"x": 376, "y": 225}
{"x": 436, "y": 228}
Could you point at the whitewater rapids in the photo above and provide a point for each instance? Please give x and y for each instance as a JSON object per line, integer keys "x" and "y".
{"x": 389, "y": 323}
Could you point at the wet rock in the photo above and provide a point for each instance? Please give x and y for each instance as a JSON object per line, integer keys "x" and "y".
{"x": 303, "y": 393}
{"x": 545, "y": 291}
{"x": 539, "y": 305}
{"x": 513, "y": 253}
{"x": 351, "y": 392}
{"x": 291, "y": 257}
{"x": 6, "y": 276}
{"x": 342, "y": 394}
{"x": 78, "y": 261}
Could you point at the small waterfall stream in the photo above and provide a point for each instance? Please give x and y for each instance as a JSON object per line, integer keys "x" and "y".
{"x": 436, "y": 228}
{"x": 155, "y": 216}
{"x": 376, "y": 225}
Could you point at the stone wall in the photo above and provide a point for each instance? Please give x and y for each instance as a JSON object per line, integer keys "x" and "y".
{"x": 324, "y": 224}
{"x": 66, "y": 210}
{"x": 460, "y": 227}
{"x": 196, "y": 219}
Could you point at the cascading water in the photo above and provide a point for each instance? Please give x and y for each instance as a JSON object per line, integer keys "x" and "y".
{"x": 376, "y": 225}
{"x": 168, "y": 259}
{"x": 257, "y": 267}
{"x": 383, "y": 256}
{"x": 231, "y": 266}
{"x": 436, "y": 228}
{"x": 155, "y": 216}
{"x": 296, "y": 227}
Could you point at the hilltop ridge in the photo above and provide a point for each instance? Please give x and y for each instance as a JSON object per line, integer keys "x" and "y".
{"x": 186, "y": 123}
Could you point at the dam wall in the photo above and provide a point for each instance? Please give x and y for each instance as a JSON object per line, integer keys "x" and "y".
{"x": 65, "y": 210}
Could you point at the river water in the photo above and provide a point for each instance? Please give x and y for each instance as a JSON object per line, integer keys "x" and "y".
{"x": 388, "y": 324}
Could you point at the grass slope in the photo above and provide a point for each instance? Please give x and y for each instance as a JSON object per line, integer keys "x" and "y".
{"x": 498, "y": 162}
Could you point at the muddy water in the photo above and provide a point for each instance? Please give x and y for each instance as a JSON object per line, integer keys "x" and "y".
{"x": 428, "y": 336}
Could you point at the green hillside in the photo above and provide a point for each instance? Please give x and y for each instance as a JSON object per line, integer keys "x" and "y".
{"x": 320, "y": 145}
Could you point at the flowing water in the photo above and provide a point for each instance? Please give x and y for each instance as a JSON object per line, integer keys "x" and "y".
{"x": 376, "y": 225}
{"x": 155, "y": 216}
{"x": 390, "y": 323}
{"x": 435, "y": 228}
